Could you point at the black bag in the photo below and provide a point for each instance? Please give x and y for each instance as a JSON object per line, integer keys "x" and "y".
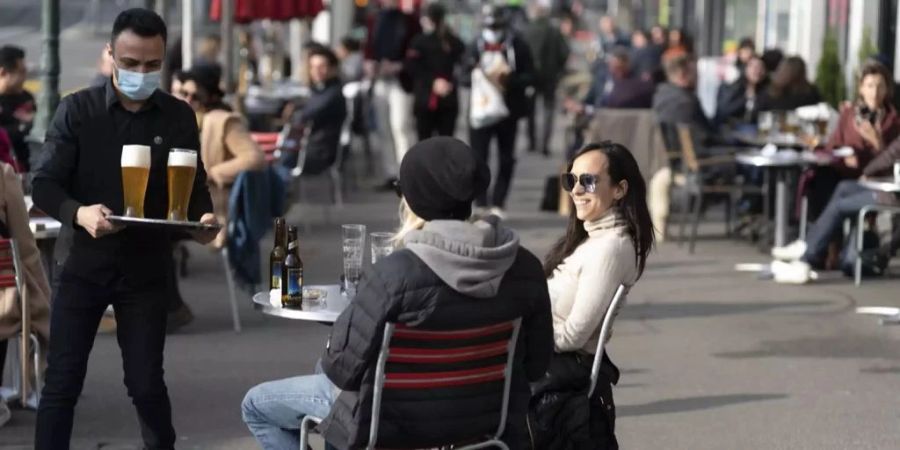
{"x": 550, "y": 202}
{"x": 874, "y": 259}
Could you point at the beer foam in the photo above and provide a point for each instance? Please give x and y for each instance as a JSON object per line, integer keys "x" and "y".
{"x": 136, "y": 156}
{"x": 183, "y": 159}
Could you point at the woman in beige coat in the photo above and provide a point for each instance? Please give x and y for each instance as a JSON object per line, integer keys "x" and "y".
{"x": 14, "y": 216}
{"x": 226, "y": 147}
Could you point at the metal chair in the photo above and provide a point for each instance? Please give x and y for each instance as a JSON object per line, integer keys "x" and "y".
{"x": 860, "y": 229}
{"x": 605, "y": 330}
{"x": 429, "y": 361}
{"x": 27, "y": 342}
{"x": 699, "y": 186}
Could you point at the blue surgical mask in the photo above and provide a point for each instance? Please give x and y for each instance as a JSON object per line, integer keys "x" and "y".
{"x": 136, "y": 85}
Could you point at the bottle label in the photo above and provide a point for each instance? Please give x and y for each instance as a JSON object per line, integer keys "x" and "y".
{"x": 295, "y": 283}
{"x": 292, "y": 245}
{"x": 276, "y": 278}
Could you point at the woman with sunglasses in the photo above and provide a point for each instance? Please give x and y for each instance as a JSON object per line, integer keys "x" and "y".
{"x": 606, "y": 244}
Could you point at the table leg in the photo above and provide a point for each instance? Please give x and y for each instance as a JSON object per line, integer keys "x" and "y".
{"x": 781, "y": 206}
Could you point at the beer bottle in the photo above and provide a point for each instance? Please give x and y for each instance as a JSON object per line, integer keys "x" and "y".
{"x": 276, "y": 258}
{"x": 292, "y": 284}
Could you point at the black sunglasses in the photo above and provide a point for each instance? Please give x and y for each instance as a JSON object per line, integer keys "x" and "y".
{"x": 587, "y": 180}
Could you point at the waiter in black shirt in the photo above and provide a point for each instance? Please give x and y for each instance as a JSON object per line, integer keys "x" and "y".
{"x": 79, "y": 182}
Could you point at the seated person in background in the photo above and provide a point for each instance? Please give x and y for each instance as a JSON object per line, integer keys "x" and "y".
{"x": 323, "y": 114}
{"x": 14, "y": 225}
{"x": 789, "y": 88}
{"x": 348, "y": 52}
{"x": 617, "y": 88}
{"x": 795, "y": 261}
{"x": 607, "y": 242}
{"x": 17, "y": 107}
{"x": 737, "y": 102}
{"x": 450, "y": 274}
{"x": 225, "y": 144}
{"x": 866, "y": 127}
{"x": 675, "y": 101}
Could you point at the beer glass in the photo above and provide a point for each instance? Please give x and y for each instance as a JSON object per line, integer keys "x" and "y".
{"x": 135, "y": 172}
{"x": 181, "y": 170}
{"x": 382, "y": 245}
{"x": 354, "y": 241}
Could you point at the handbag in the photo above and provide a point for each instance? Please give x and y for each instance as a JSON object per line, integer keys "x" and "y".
{"x": 487, "y": 104}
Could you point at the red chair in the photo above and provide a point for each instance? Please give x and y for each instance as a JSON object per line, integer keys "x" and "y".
{"x": 441, "y": 366}
{"x": 22, "y": 345}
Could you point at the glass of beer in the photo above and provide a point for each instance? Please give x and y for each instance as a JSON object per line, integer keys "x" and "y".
{"x": 135, "y": 172}
{"x": 182, "y": 167}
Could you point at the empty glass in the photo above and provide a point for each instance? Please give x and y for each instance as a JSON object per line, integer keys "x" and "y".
{"x": 354, "y": 242}
{"x": 382, "y": 244}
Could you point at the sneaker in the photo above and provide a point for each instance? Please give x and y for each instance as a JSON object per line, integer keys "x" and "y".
{"x": 5, "y": 414}
{"x": 496, "y": 211}
{"x": 790, "y": 252}
{"x": 795, "y": 272}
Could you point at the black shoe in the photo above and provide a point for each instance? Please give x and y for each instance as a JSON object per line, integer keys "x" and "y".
{"x": 179, "y": 318}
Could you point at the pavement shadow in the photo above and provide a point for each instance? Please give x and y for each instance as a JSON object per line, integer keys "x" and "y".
{"x": 854, "y": 347}
{"x": 687, "y": 404}
{"x": 881, "y": 370}
{"x": 683, "y": 310}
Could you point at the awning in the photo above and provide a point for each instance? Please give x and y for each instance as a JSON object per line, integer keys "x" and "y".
{"x": 249, "y": 10}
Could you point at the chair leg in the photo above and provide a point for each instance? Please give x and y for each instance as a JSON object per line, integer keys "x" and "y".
{"x": 860, "y": 231}
{"x": 698, "y": 207}
{"x": 35, "y": 398}
{"x": 804, "y": 213}
{"x": 729, "y": 214}
{"x": 682, "y": 216}
{"x": 232, "y": 294}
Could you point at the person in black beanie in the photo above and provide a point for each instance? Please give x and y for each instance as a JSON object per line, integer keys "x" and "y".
{"x": 447, "y": 273}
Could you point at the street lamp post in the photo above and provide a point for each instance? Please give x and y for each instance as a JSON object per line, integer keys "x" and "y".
{"x": 49, "y": 96}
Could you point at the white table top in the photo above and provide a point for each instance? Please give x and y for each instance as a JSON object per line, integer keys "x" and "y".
{"x": 325, "y": 311}
{"x": 781, "y": 159}
{"x": 881, "y": 184}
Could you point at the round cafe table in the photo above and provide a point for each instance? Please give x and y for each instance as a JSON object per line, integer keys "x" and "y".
{"x": 324, "y": 310}
{"x": 779, "y": 165}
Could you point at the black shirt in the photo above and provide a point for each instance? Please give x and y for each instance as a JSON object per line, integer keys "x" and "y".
{"x": 12, "y": 105}
{"x": 80, "y": 165}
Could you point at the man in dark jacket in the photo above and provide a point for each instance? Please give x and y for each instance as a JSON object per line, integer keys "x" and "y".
{"x": 450, "y": 275}
{"x": 506, "y": 60}
{"x": 324, "y": 113}
{"x": 550, "y": 51}
{"x": 675, "y": 101}
{"x": 432, "y": 60}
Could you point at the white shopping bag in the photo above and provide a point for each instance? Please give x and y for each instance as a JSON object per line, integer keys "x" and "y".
{"x": 487, "y": 104}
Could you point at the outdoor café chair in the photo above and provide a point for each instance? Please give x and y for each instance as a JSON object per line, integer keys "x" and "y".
{"x": 419, "y": 363}
{"x": 26, "y": 343}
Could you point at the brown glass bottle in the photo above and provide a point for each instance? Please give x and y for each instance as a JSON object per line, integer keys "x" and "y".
{"x": 276, "y": 258}
{"x": 292, "y": 284}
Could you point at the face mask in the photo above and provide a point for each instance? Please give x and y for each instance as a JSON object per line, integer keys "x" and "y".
{"x": 137, "y": 85}
{"x": 492, "y": 36}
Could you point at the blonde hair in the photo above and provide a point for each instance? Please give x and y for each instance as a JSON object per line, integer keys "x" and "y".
{"x": 409, "y": 221}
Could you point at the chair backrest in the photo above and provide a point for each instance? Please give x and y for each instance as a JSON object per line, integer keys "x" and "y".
{"x": 10, "y": 264}
{"x": 688, "y": 152}
{"x": 438, "y": 366}
{"x": 605, "y": 330}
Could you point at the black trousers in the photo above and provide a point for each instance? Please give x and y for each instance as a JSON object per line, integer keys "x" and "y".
{"x": 141, "y": 317}
{"x": 480, "y": 139}
{"x": 441, "y": 122}
{"x": 548, "y": 114}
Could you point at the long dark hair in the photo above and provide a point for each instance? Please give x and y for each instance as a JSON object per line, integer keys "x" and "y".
{"x": 790, "y": 78}
{"x": 621, "y": 166}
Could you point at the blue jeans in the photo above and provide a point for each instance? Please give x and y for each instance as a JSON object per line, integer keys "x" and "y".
{"x": 273, "y": 410}
{"x": 848, "y": 199}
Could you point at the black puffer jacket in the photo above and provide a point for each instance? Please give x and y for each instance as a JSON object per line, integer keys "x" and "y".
{"x": 450, "y": 275}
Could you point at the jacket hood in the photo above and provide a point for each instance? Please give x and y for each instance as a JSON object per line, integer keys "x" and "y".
{"x": 470, "y": 257}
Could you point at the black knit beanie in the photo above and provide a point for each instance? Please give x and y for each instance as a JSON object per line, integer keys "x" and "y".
{"x": 440, "y": 177}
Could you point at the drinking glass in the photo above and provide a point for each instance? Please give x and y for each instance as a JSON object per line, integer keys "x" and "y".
{"x": 382, "y": 245}
{"x": 354, "y": 242}
{"x": 135, "y": 173}
{"x": 181, "y": 170}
